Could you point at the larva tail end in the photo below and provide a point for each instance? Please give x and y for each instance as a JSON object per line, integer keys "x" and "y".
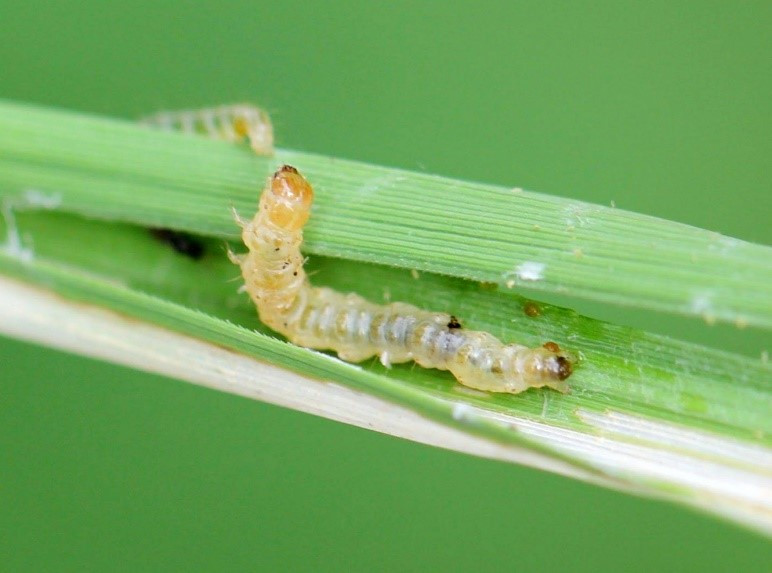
{"x": 289, "y": 202}
{"x": 261, "y": 144}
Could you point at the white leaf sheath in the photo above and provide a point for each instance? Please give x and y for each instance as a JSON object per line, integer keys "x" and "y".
{"x": 358, "y": 329}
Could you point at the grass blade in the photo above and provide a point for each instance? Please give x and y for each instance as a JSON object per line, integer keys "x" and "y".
{"x": 647, "y": 413}
{"x": 119, "y": 171}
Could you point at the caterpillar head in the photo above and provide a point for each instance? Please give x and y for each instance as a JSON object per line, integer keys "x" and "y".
{"x": 287, "y": 199}
{"x": 557, "y": 366}
{"x": 521, "y": 367}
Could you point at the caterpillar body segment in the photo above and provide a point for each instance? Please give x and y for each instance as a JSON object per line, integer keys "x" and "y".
{"x": 358, "y": 329}
{"x": 273, "y": 267}
{"x": 227, "y": 122}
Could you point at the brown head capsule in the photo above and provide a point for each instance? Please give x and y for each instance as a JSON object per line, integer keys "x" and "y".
{"x": 289, "y": 202}
{"x": 565, "y": 368}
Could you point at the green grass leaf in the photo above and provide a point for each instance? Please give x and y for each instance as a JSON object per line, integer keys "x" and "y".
{"x": 647, "y": 413}
{"x": 513, "y": 238}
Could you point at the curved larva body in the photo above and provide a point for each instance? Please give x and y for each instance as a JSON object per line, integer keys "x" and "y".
{"x": 227, "y": 122}
{"x": 358, "y": 329}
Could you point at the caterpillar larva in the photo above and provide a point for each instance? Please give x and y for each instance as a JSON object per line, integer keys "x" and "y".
{"x": 357, "y": 329}
{"x": 227, "y": 122}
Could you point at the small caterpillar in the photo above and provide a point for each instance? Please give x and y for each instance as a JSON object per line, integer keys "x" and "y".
{"x": 357, "y": 329}
{"x": 227, "y": 122}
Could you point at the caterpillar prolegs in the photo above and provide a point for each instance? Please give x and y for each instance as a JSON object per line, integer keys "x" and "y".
{"x": 358, "y": 329}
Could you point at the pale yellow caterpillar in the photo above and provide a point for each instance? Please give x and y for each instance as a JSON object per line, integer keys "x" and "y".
{"x": 357, "y": 329}
{"x": 227, "y": 122}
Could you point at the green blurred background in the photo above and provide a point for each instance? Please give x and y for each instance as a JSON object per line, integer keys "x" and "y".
{"x": 661, "y": 107}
